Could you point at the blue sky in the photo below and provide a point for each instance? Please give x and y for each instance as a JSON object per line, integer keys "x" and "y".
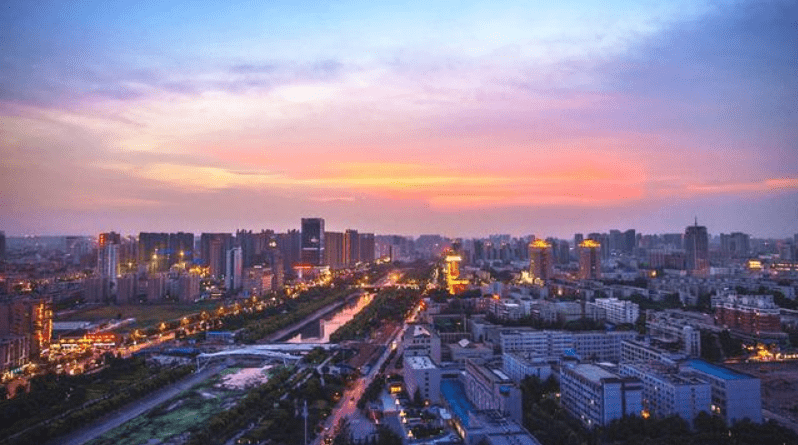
{"x": 462, "y": 118}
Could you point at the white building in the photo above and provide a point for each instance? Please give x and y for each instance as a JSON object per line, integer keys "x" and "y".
{"x": 519, "y": 366}
{"x": 597, "y": 396}
{"x": 233, "y": 278}
{"x": 421, "y": 340}
{"x": 589, "y": 345}
{"x": 667, "y": 393}
{"x": 421, "y": 374}
{"x": 618, "y": 311}
{"x": 491, "y": 389}
{"x": 735, "y": 396}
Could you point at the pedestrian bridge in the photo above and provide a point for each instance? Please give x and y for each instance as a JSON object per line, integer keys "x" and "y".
{"x": 285, "y": 352}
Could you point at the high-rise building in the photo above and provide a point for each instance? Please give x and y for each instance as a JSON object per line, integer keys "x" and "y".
{"x": 696, "y": 243}
{"x": 615, "y": 240}
{"x": 541, "y": 261}
{"x": 213, "y": 248}
{"x": 108, "y": 262}
{"x": 289, "y": 244}
{"x": 234, "y": 270}
{"x": 735, "y": 245}
{"x": 3, "y": 245}
{"x": 28, "y": 317}
{"x": 366, "y": 247}
{"x": 181, "y": 248}
{"x": 108, "y": 238}
{"x": 313, "y": 241}
{"x": 334, "y": 250}
{"x": 351, "y": 247}
{"x": 153, "y": 249}
{"x": 629, "y": 241}
{"x": 589, "y": 260}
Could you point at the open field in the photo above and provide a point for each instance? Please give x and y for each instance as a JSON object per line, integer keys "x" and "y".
{"x": 779, "y": 385}
{"x": 145, "y": 315}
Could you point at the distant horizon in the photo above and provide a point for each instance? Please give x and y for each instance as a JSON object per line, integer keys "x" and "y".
{"x": 463, "y": 117}
{"x": 378, "y": 233}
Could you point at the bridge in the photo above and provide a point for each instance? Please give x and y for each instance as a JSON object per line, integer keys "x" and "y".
{"x": 285, "y": 352}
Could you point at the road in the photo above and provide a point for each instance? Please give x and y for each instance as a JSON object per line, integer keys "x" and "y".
{"x": 347, "y": 405}
{"x": 133, "y": 410}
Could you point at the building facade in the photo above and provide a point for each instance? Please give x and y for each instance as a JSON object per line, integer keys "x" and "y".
{"x": 596, "y": 396}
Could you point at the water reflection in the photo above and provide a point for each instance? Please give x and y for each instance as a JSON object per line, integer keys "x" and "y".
{"x": 320, "y": 332}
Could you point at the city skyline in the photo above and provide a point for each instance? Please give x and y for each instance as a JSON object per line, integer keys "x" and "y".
{"x": 462, "y": 120}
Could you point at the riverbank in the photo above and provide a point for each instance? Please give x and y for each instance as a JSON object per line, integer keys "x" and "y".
{"x": 288, "y": 331}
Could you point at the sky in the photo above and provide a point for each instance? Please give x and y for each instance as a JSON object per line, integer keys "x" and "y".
{"x": 459, "y": 118}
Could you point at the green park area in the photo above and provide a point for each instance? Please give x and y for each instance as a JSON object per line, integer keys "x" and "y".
{"x": 175, "y": 418}
{"x": 146, "y": 316}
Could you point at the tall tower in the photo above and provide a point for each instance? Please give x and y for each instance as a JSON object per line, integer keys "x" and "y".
{"x": 351, "y": 247}
{"x": 234, "y": 272}
{"x": 589, "y": 260}
{"x": 108, "y": 258}
{"x": 696, "y": 245}
{"x": 454, "y": 283}
{"x": 541, "y": 261}
{"x": 334, "y": 250}
{"x": 313, "y": 241}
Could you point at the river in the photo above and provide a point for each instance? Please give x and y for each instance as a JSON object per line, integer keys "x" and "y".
{"x": 327, "y": 324}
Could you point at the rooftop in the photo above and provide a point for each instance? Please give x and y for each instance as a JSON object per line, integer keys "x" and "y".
{"x": 716, "y": 371}
{"x": 454, "y": 393}
{"x": 593, "y": 373}
{"x": 420, "y": 362}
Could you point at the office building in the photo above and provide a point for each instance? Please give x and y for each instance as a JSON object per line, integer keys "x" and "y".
{"x": 541, "y": 261}
{"x": 735, "y": 396}
{"x": 596, "y": 396}
{"x": 589, "y": 260}
{"x": 313, "y": 241}
{"x": 2, "y": 245}
{"x": 423, "y": 376}
{"x": 667, "y": 393}
{"x": 696, "y": 244}
{"x": 234, "y": 270}
{"x": 589, "y": 345}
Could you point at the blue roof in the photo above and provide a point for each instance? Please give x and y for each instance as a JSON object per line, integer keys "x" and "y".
{"x": 454, "y": 393}
{"x": 716, "y": 371}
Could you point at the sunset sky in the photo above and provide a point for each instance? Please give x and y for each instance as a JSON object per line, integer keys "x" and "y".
{"x": 459, "y": 118}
